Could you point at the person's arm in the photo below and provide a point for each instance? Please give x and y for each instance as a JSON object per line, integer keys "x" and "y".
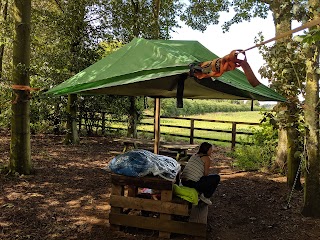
{"x": 207, "y": 163}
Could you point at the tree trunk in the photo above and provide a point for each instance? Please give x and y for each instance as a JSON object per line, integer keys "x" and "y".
{"x": 156, "y": 13}
{"x": 4, "y": 16}
{"x": 293, "y": 159}
{"x": 20, "y": 148}
{"x": 133, "y": 114}
{"x": 56, "y": 119}
{"x": 280, "y": 163}
{"x": 281, "y": 25}
{"x": 288, "y": 130}
{"x": 78, "y": 14}
{"x": 311, "y": 207}
{"x": 72, "y": 136}
{"x": 133, "y": 118}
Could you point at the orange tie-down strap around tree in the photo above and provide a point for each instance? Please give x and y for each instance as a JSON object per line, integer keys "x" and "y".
{"x": 219, "y": 66}
{"x": 23, "y": 88}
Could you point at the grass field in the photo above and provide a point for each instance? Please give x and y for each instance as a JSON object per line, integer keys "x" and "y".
{"x": 250, "y": 117}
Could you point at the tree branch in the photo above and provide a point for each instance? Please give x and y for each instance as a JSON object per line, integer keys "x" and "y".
{"x": 59, "y": 5}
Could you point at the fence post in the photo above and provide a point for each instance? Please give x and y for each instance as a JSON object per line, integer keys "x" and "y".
{"x": 233, "y": 137}
{"x": 191, "y": 130}
{"x": 103, "y": 122}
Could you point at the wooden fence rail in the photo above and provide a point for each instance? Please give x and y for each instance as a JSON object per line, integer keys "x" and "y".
{"x": 99, "y": 121}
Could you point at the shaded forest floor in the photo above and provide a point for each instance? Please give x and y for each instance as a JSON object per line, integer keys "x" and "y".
{"x": 67, "y": 198}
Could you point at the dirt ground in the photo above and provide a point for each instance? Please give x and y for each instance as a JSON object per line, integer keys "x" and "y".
{"x": 67, "y": 198}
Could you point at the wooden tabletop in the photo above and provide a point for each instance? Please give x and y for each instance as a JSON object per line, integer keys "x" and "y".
{"x": 133, "y": 140}
{"x": 179, "y": 146}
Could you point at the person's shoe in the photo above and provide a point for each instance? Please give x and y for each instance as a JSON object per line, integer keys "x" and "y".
{"x": 205, "y": 200}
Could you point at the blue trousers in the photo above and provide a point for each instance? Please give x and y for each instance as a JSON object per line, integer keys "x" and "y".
{"x": 206, "y": 185}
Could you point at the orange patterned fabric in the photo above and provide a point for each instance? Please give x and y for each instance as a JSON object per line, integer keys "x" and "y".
{"x": 24, "y": 88}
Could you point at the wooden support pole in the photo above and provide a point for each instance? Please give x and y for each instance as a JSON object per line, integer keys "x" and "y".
{"x": 156, "y": 125}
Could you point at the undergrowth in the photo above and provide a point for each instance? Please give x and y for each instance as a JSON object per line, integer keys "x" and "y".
{"x": 260, "y": 155}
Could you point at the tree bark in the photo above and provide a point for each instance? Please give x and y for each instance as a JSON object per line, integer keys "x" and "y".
{"x": 133, "y": 118}
{"x": 280, "y": 163}
{"x": 4, "y": 15}
{"x": 282, "y": 151}
{"x": 20, "y": 148}
{"x": 156, "y": 13}
{"x": 293, "y": 159}
{"x": 311, "y": 207}
{"x": 56, "y": 118}
{"x": 72, "y": 136}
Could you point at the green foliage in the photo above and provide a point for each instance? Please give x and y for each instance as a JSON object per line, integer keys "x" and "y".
{"x": 259, "y": 155}
{"x": 267, "y": 133}
{"x": 124, "y": 20}
{"x": 115, "y": 107}
{"x": 245, "y": 11}
{"x": 313, "y": 36}
{"x": 252, "y": 158}
{"x": 286, "y": 73}
{"x": 106, "y": 48}
{"x": 199, "y": 14}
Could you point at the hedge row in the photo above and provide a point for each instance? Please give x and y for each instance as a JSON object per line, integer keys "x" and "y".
{"x": 192, "y": 107}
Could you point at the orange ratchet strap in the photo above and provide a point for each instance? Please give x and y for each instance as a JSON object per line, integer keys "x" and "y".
{"x": 217, "y": 67}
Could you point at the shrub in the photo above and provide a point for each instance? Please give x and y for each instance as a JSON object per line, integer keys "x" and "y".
{"x": 260, "y": 155}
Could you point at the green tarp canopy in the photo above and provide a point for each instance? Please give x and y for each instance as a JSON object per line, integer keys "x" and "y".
{"x": 153, "y": 68}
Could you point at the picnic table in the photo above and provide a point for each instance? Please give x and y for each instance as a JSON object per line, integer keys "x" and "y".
{"x": 180, "y": 148}
{"x": 133, "y": 142}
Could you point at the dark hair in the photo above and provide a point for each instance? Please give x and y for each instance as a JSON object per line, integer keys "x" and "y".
{"x": 204, "y": 148}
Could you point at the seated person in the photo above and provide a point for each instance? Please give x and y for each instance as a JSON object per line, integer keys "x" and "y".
{"x": 196, "y": 173}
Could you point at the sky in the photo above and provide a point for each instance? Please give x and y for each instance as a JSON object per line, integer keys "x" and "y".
{"x": 240, "y": 36}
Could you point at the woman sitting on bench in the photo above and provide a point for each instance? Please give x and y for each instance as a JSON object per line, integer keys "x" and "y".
{"x": 196, "y": 173}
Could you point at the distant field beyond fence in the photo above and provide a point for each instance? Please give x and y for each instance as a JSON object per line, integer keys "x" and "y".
{"x": 191, "y": 129}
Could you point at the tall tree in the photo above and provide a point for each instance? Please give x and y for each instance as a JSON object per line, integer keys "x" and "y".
{"x": 155, "y": 34}
{"x": 282, "y": 13}
{"x": 288, "y": 147}
{"x": 3, "y": 17}
{"x": 124, "y": 20}
{"x": 20, "y": 148}
{"x": 76, "y": 28}
{"x": 133, "y": 112}
{"x": 51, "y": 64}
{"x": 311, "y": 206}
{"x": 149, "y": 19}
